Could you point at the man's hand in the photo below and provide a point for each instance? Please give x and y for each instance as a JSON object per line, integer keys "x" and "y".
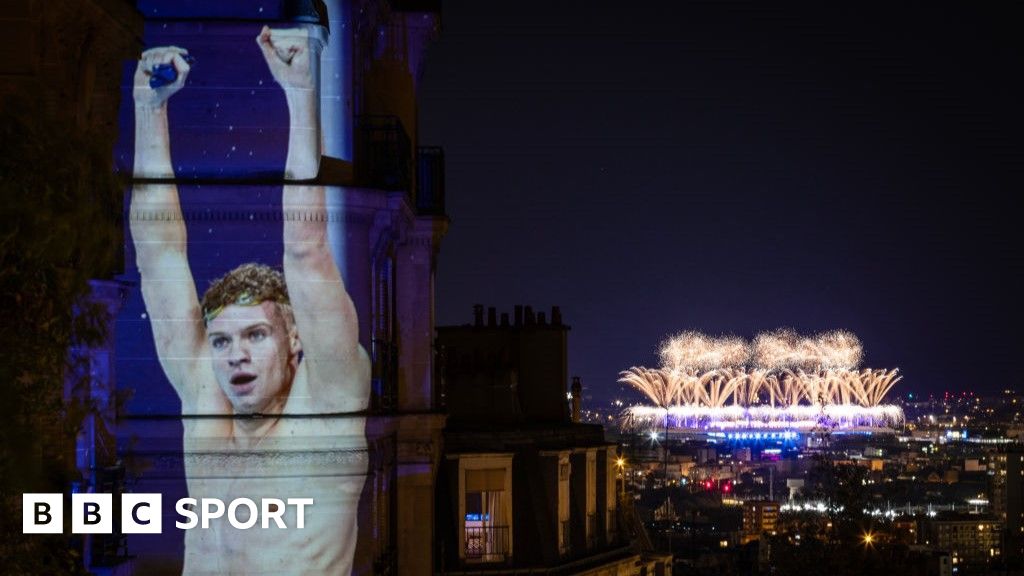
{"x": 145, "y": 95}
{"x": 288, "y": 56}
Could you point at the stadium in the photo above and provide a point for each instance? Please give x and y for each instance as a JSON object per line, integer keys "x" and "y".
{"x": 780, "y": 381}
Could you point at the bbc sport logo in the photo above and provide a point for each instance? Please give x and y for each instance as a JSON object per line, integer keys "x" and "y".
{"x": 141, "y": 513}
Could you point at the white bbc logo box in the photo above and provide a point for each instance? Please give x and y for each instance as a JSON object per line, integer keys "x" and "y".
{"x": 91, "y": 513}
{"x": 42, "y": 513}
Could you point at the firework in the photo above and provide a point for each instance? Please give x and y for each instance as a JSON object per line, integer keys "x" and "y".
{"x": 839, "y": 349}
{"x": 836, "y": 350}
{"x": 781, "y": 379}
{"x": 652, "y": 382}
{"x": 693, "y": 351}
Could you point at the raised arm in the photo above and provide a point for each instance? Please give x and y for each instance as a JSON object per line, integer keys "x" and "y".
{"x": 158, "y": 229}
{"x": 296, "y": 68}
{"x": 337, "y": 366}
{"x": 328, "y": 327}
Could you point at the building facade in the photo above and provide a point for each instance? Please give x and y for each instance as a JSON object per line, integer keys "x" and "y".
{"x": 760, "y": 517}
{"x": 385, "y": 220}
{"x": 974, "y": 543}
{"x": 1007, "y": 489}
{"x": 524, "y": 486}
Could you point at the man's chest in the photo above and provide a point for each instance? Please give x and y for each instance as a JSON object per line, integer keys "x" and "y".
{"x": 296, "y": 445}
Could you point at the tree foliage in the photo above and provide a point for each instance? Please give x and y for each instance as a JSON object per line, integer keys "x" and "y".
{"x": 843, "y": 486}
{"x": 832, "y": 545}
{"x": 59, "y": 228}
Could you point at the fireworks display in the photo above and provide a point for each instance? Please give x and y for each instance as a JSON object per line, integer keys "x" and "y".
{"x": 696, "y": 351}
{"x": 779, "y": 380}
{"x": 836, "y": 350}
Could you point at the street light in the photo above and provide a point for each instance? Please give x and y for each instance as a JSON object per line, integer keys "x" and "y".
{"x": 621, "y": 463}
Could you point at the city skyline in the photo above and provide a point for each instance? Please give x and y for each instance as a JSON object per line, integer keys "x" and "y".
{"x": 733, "y": 169}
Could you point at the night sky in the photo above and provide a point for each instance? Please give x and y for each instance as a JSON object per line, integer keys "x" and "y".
{"x": 733, "y": 168}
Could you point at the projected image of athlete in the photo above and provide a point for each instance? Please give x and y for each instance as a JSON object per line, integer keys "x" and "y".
{"x": 270, "y": 352}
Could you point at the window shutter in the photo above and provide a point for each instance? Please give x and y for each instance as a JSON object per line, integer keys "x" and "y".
{"x": 490, "y": 480}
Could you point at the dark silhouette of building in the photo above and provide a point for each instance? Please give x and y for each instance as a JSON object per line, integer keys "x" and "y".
{"x": 974, "y": 542}
{"x": 60, "y": 70}
{"x": 1008, "y": 498}
{"x": 69, "y": 54}
{"x": 523, "y": 486}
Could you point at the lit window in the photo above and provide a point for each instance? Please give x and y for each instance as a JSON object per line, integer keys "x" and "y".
{"x": 485, "y": 508}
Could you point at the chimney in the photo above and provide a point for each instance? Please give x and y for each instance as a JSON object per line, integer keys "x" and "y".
{"x": 519, "y": 315}
{"x": 478, "y": 315}
{"x": 504, "y": 319}
{"x": 577, "y": 398}
{"x": 556, "y": 316}
{"x": 529, "y": 316}
{"x": 492, "y": 317}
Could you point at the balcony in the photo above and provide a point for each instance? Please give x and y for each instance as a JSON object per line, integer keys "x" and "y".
{"x": 486, "y": 544}
{"x": 430, "y": 181}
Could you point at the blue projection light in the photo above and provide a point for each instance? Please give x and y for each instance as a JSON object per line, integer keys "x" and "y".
{"x": 164, "y": 74}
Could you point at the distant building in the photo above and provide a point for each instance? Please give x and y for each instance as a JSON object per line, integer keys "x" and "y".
{"x": 974, "y": 465}
{"x": 795, "y": 486}
{"x": 905, "y": 530}
{"x": 523, "y": 487}
{"x": 741, "y": 454}
{"x": 759, "y": 517}
{"x": 931, "y": 562}
{"x": 1007, "y": 492}
{"x": 706, "y": 455}
{"x": 973, "y": 542}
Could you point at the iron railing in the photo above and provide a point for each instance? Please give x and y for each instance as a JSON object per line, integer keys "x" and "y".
{"x": 486, "y": 543}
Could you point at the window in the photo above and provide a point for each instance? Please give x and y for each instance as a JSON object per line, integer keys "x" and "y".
{"x": 591, "y": 501}
{"x": 486, "y": 530}
{"x": 564, "y": 530}
{"x": 485, "y": 507}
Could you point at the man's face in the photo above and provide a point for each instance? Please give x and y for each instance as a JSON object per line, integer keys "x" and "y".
{"x": 255, "y": 355}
